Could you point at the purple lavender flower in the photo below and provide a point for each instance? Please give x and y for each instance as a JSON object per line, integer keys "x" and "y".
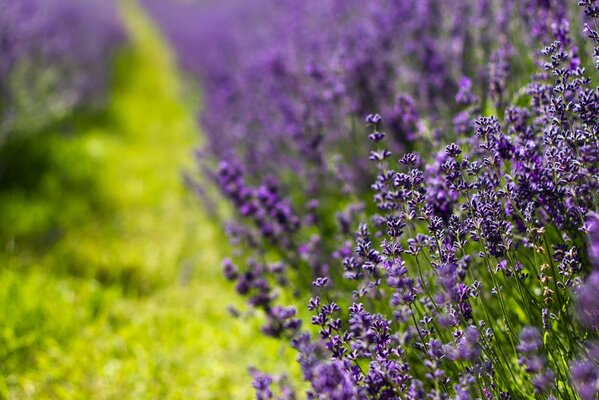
{"x": 333, "y": 381}
{"x": 471, "y": 223}
{"x": 592, "y": 229}
{"x": 588, "y": 301}
{"x": 585, "y": 375}
{"x": 262, "y": 383}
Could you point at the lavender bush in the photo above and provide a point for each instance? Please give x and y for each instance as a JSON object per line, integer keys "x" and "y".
{"x": 464, "y": 261}
{"x": 56, "y": 56}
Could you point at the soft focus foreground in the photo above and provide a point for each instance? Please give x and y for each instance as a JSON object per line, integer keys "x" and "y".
{"x": 109, "y": 285}
{"x": 462, "y": 262}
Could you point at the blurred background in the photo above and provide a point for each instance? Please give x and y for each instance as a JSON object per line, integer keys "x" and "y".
{"x": 110, "y": 278}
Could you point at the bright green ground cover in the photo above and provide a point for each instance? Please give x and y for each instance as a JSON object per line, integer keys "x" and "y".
{"x": 110, "y": 284}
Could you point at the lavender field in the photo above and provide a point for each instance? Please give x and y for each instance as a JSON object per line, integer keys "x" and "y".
{"x": 318, "y": 199}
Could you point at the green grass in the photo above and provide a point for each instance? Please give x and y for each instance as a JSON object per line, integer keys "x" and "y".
{"x": 110, "y": 283}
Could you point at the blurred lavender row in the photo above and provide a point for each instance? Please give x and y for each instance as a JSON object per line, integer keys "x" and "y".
{"x": 56, "y": 56}
{"x": 462, "y": 264}
{"x": 295, "y": 75}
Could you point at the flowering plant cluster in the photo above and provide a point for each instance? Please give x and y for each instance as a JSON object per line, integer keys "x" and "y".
{"x": 55, "y": 57}
{"x": 463, "y": 262}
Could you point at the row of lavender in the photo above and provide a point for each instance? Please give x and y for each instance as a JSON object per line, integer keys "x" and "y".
{"x": 463, "y": 262}
{"x": 55, "y": 56}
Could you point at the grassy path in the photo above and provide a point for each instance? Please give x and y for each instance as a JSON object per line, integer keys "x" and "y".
{"x": 110, "y": 284}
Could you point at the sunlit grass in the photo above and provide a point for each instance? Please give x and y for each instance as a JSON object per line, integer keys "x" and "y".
{"x": 110, "y": 284}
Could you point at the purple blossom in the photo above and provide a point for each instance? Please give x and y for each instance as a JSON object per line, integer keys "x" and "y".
{"x": 588, "y": 301}
{"x": 592, "y": 229}
{"x": 333, "y": 381}
{"x": 449, "y": 266}
{"x": 585, "y": 375}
